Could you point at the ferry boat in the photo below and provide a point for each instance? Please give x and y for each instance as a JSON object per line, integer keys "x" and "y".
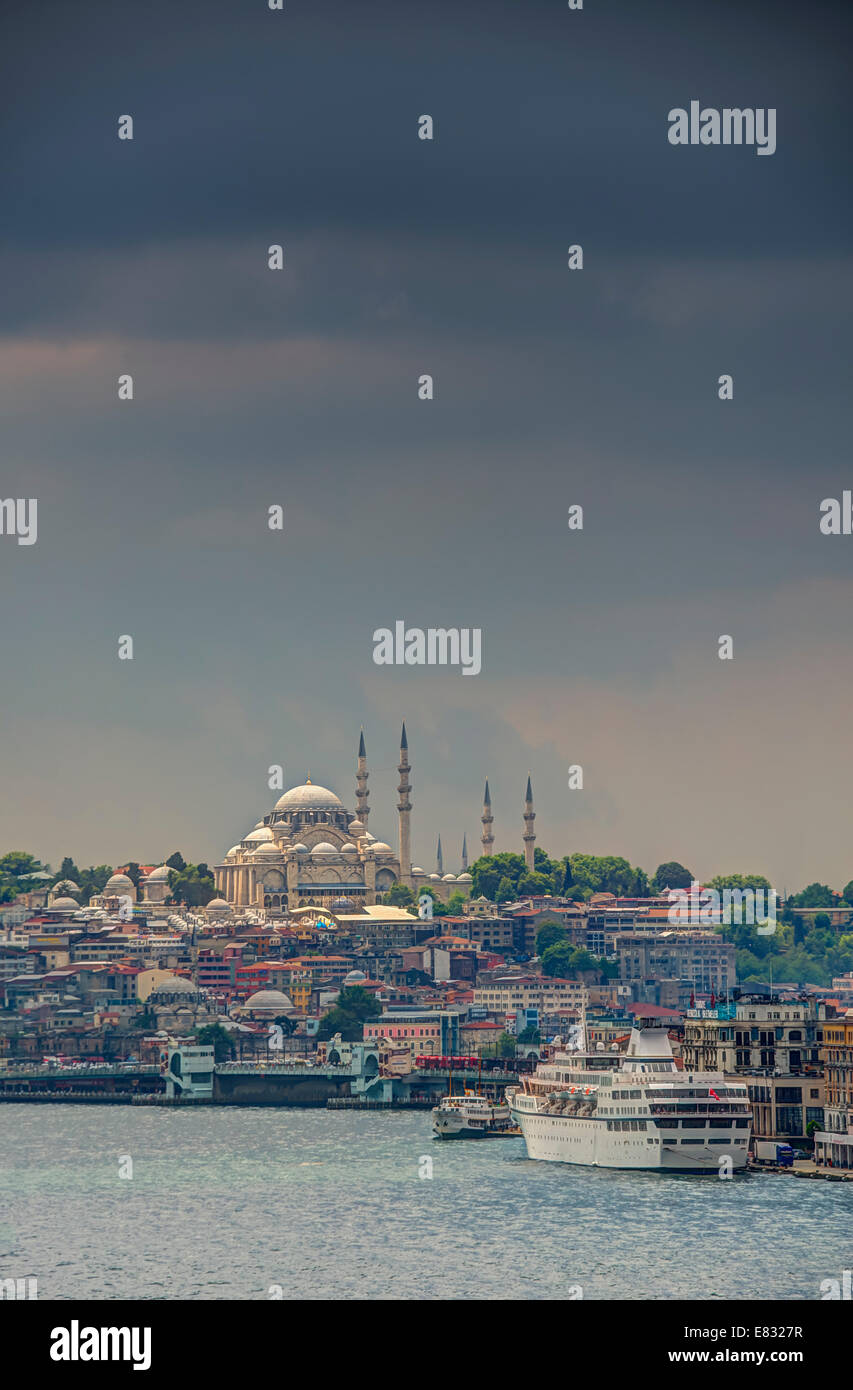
{"x": 472, "y": 1117}
{"x": 631, "y": 1110}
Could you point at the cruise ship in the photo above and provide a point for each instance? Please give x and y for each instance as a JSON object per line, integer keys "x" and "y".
{"x": 632, "y": 1109}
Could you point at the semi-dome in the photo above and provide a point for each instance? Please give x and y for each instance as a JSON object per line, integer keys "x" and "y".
{"x": 272, "y": 999}
{"x": 309, "y": 797}
{"x": 266, "y": 851}
{"x": 349, "y": 849}
{"x": 380, "y": 847}
{"x": 299, "y": 848}
{"x": 260, "y": 834}
{"x": 233, "y": 852}
{"x": 324, "y": 848}
{"x": 118, "y": 881}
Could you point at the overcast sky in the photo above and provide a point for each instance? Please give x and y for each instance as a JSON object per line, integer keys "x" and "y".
{"x": 403, "y": 257}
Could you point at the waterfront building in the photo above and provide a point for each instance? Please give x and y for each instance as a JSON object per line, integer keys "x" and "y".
{"x": 774, "y": 1046}
{"x": 834, "y": 1142}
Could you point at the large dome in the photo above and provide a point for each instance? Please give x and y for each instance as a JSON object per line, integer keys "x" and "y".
{"x": 310, "y": 797}
{"x": 269, "y": 999}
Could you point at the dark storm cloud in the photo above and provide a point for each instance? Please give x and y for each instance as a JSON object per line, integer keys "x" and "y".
{"x": 404, "y": 257}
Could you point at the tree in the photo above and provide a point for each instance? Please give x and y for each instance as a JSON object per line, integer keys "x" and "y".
{"x": 847, "y": 893}
{"x": 822, "y": 921}
{"x": 738, "y": 881}
{"x": 530, "y": 884}
{"x": 505, "y": 1046}
{"x": 68, "y": 869}
{"x": 549, "y": 934}
{"x": 353, "y": 1008}
{"x": 671, "y": 875}
{"x": 176, "y": 861}
{"x": 132, "y": 872}
{"x": 399, "y": 895}
{"x": 192, "y": 888}
{"x": 609, "y": 874}
{"x": 505, "y": 893}
{"x": 215, "y": 1036}
{"x": 529, "y": 1035}
{"x": 815, "y": 895}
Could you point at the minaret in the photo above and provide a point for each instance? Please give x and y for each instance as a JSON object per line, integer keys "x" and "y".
{"x": 464, "y": 853}
{"x": 404, "y": 806}
{"x": 529, "y": 835}
{"x": 361, "y": 792}
{"x": 487, "y": 818}
{"x": 439, "y": 860}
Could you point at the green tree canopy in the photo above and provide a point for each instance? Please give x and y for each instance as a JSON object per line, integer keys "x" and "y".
{"x": 548, "y": 934}
{"x": 671, "y": 875}
{"x": 215, "y": 1036}
{"x": 354, "y": 1007}
{"x": 815, "y": 895}
{"x": 399, "y": 895}
{"x": 191, "y": 887}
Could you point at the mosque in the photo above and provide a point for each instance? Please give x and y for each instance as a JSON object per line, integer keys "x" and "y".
{"x": 310, "y": 851}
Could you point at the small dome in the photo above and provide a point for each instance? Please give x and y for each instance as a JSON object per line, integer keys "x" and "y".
{"x": 436, "y": 876}
{"x": 416, "y": 869}
{"x": 260, "y": 834}
{"x": 118, "y": 881}
{"x": 218, "y": 905}
{"x": 370, "y": 838}
{"x": 308, "y": 798}
{"x": 354, "y": 977}
{"x": 464, "y": 878}
{"x": 233, "y": 852}
{"x": 64, "y": 905}
{"x": 266, "y": 851}
{"x": 349, "y": 849}
{"x": 299, "y": 848}
{"x": 449, "y": 878}
{"x": 380, "y": 847}
{"x": 324, "y": 848}
{"x": 356, "y": 827}
{"x": 272, "y": 999}
{"x": 160, "y": 875}
{"x": 66, "y": 886}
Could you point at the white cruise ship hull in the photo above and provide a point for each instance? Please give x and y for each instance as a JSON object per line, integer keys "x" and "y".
{"x": 564, "y": 1139}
